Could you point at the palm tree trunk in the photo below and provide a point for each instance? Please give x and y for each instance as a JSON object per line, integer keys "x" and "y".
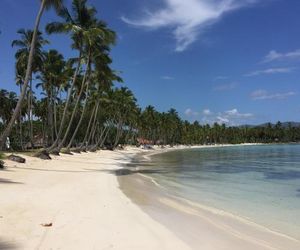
{"x": 9, "y": 127}
{"x": 31, "y": 121}
{"x": 106, "y": 134}
{"x": 52, "y": 101}
{"x": 99, "y": 141}
{"x": 89, "y": 125}
{"x": 62, "y": 123}
{"x": 50, "y": 116}
{"x": 92, "y": 131}
{"x": 55, "y": 118}
{"x": 30, "y": 113}
{"x": 76, "y": 106}
{"x": 119, "y": 133}
{"x": 80, "y": 120}
{"x": 20, "y": 121}
{"x": 21, "y": 134}
{"x": 92, "y": 135}
{"x": 44, "y": 135}
{"x": 55, "y": 111}
{"x": 87, "y": 140}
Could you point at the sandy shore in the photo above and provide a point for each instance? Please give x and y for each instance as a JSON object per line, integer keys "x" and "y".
{"x": 200, "y": 226}
{"x": 80, "y": 196}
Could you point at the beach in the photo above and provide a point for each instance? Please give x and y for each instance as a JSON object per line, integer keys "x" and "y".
{"x": 75, "y": 202}
{"x": 150, "y": 125}
{"x": 79, "y": 195}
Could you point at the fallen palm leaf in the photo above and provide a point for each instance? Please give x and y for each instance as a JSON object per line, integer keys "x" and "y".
{"x": 47, "y": 225}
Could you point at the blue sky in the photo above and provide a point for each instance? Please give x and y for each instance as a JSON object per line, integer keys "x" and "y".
{"x": 231, "y": 61}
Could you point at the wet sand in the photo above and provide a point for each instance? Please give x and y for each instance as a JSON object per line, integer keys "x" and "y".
{"x": 199, "y": 226}
{"x": 81, "y": 196}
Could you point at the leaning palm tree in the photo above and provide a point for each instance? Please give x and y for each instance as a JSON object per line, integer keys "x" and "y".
{"x": 45, "y": 5}
{"x": 92, "y": 38}
{"x": 21, "y": 56}
{"x": 93, "y": 50}
{"x": 102, "y": 76}
{"x": 106, "y": 77}
{"x": 76, "y": 23}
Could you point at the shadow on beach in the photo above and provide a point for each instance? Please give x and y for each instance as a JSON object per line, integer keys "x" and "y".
{"x": 7, "y": 181}
{"x": 6, "y": 245}
{"x": 125, "y": 171}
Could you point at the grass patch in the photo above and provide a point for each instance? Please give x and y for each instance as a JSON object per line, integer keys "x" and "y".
{"x": 1, "y": 156}
{"x": 30, "y": 152}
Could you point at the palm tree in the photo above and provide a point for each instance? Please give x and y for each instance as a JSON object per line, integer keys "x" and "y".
{"x": 52, "y": 79}
{"x": 21, "y": 56}
{"x": 94, "y": 40}
{"x": 123, "y": 104}
{"x": 24, "y": 44}
{"x": 104, "y": 77}
{"x": 149, "y": 120}
{"x": 8, "y": 101}
{"x": 45, "y": 4}
{"x": 77, "y": 25}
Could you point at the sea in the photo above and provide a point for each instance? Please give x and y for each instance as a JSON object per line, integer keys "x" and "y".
{"x": 259, "y": 183}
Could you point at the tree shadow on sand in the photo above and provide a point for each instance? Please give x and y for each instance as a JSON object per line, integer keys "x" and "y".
{"x": 7, "y": 181}
{"x": 126, "y": 171}
{"x": 4, "y": 245}
{"x": 136, "y": 164}
{"x": 58, "y": 170}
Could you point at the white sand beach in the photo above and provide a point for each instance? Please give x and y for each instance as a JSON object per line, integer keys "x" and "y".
{"x": 80, "y": 196}
{"x": 81, "y": 199}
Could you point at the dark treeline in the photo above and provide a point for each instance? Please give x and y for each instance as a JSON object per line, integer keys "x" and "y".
{"x": 116, "y": 119}
{"x": 76, "y": 104}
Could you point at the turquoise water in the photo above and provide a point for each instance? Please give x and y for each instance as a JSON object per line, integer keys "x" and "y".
{"x": 260, "y": 183}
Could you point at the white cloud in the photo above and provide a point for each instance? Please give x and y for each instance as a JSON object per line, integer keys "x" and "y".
{"x": 235, "y": 113}
{"x": 271, "y": 71}
{"x": 222, "y": 120}
{"x": 265, "y": 95}
{"x": 273, "y": 55}
{"x": 232, "y": 112}
{"x": 207, "y": 112}
{"x": 167, "y": 78}
{"x": 224, "y": 87}
{"x": 190, "y": 113}
{"x": 187, "y": 18}
{"x": 230, "y": 117}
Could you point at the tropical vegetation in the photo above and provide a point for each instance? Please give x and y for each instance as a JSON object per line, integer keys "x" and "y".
{"x": 78, "y": 104}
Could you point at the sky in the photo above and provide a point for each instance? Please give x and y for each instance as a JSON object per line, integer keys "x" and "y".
{"x": 227, "y": 61}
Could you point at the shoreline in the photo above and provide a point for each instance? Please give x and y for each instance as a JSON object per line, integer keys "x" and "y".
{"x": 83, "y": 198}
{"x": 253, "y": 234}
